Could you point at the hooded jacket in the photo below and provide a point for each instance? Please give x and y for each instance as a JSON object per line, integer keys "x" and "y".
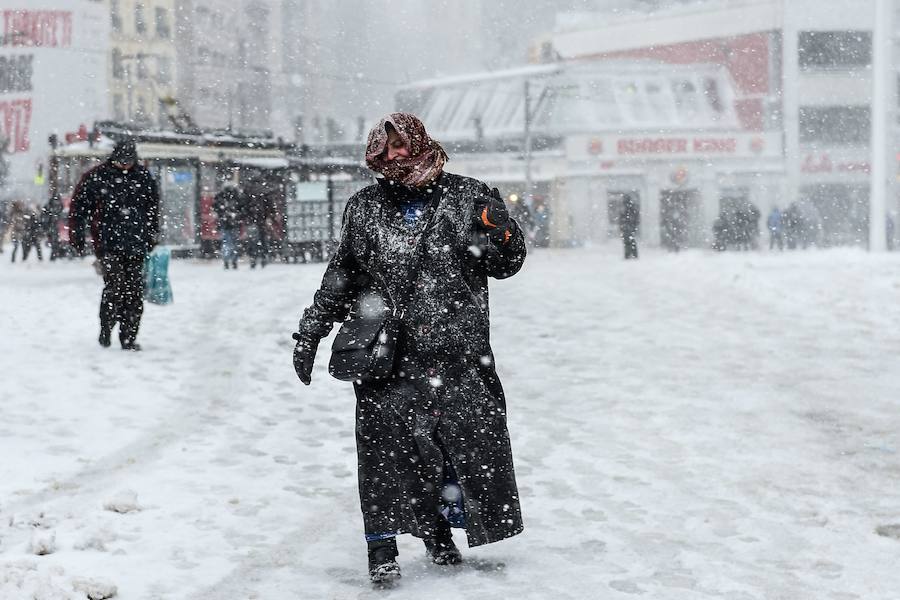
{"x": 121, "y": 207}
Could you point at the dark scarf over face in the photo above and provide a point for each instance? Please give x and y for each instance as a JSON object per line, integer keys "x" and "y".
{"x": 426, "y": 157}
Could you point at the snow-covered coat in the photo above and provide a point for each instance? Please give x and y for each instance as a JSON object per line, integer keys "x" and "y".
{"x": 122, "y": 208}
{"x": 445, "y": 399}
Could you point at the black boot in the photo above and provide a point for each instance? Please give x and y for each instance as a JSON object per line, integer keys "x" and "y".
{"x": 441, "y": 548}
{"x": 383, "y": 567}
{"x": 105, "y": 337}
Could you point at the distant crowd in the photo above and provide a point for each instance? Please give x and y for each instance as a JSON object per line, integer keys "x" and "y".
{"x": 30, "y": 226}
{"x": 246, "y": 220}
{"x": 798, "y": 226}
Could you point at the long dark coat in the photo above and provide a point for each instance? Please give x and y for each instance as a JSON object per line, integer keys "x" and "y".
{"x": 121, "y": 207}
{"x": 445, "y": 400}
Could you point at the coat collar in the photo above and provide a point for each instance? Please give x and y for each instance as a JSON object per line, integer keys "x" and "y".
{"x": 393, "y": 193}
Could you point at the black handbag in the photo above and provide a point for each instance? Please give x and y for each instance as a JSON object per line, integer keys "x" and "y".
{"x": 365, "y": 347}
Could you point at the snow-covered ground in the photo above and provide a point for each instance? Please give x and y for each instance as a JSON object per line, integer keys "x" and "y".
{"x": 690, "y": 426}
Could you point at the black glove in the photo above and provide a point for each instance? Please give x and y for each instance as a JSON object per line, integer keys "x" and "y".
{"x": 304, "y": 355}
{"x": 492, "y": 216}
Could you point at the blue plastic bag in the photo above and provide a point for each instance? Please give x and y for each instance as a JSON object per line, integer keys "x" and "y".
{"x": 157, "y": 288}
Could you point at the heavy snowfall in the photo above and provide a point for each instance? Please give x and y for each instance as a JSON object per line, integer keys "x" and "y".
{"x": 684, "y": 426}
{"x": 699, "y": 355}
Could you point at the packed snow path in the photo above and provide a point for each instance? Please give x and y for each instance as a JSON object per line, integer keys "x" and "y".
{"x": 690, "y": 426}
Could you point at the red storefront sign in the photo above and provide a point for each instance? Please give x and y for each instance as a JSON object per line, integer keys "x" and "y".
{"x": 675, "y": 145}
{"x": 662, "y": 146}
{"x": 823, "y": 163}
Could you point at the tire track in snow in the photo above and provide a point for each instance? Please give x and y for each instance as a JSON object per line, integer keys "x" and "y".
{"x": 203, "y": 382}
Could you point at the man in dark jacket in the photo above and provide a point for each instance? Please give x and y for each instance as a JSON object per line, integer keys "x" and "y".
{"x": 256, "y": 213}
{"x": 433, "y": 449}
{"x": 120, "y": 201}
{"x": 629, "y": 220}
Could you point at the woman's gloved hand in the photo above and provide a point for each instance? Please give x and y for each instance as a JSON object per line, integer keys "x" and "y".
{"x": 492, "y": 216}
{"x": 304, "y": 356}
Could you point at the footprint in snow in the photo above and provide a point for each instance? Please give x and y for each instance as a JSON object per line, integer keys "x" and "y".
{"x": 889, "y": 531}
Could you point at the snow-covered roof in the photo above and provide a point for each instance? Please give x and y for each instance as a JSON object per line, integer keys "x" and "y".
{"x": 579, "y": 34}
{"x": 264, "y": 163}
{"x": 575, "y": 97}
{"x": 516, "y": 73}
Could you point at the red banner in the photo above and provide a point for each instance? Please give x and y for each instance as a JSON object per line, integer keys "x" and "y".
{"x": 15, "y": 122}
{"x": 37, "y": 28}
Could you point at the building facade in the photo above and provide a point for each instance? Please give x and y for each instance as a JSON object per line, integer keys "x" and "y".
{"x": 142, "y": 60}
{"x": 802, "y": 69}
{"x": 670, "y": 137}
{"x": 53, "y": 76}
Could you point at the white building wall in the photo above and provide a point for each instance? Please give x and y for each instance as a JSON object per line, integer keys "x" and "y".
{"x": 820, "y": 87}
{"x": 233, "y": 65}
{"x": 66, "y": 84}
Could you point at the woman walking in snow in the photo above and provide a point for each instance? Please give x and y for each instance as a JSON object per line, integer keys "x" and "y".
{"x": 410, "y": 276}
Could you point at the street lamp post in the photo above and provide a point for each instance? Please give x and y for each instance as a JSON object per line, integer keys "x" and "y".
{"x": 528, "y": 183}
{"x": 882, "y": 157}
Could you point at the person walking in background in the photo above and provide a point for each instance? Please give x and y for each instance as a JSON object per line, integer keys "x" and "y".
{"x": 519, "y": 211}
{"x": 120, "y": 201}
{"x": 792, "y": 225}
{"x": 255, "y": 223}
{"x": 228, "y": 211}
{"x": 50, "y": 216}
{"x": 721, "y": 229}
{"x": 16, "y": 220}
{"x": 32, "y": 232}
{"x": 775, "y": 225}
{"x": 753, "y": 216}
{"x": 4, "y": 223}
{"x": 25, "y": 230}
{"x": 432, "y": 443}
{"x": 629, "y": 221}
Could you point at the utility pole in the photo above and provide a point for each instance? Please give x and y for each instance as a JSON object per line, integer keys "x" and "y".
{"x": 130, "y": 116}
{"x": 527, "y": 194}
{"x": 883, "y": 161}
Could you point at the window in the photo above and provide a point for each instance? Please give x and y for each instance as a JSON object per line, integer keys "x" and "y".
{"x": 711, "y": 91}
{"x": 164, "y": 70}
{"x": 115, "y": 15}
{"x": 162, "y": 111}
{"x": 835, "y": 125}
{"x": 660, "y": 100}
{"x": 631, "y": 101}
{"x": 835, "y": 49}
{"x": 140, "y": 23}
{"x": 118, "y": 69}
{"x": 142, "y": 72}
{"x": 162, "y": 24}
{"x": 687, "y": 100}
{"x": 118, "y": 112}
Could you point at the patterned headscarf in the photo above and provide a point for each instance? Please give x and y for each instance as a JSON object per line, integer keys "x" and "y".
{"x": 426, "y": 157}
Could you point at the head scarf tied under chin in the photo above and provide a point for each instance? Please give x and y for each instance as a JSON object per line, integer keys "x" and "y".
{"x": 426, "y": 157}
